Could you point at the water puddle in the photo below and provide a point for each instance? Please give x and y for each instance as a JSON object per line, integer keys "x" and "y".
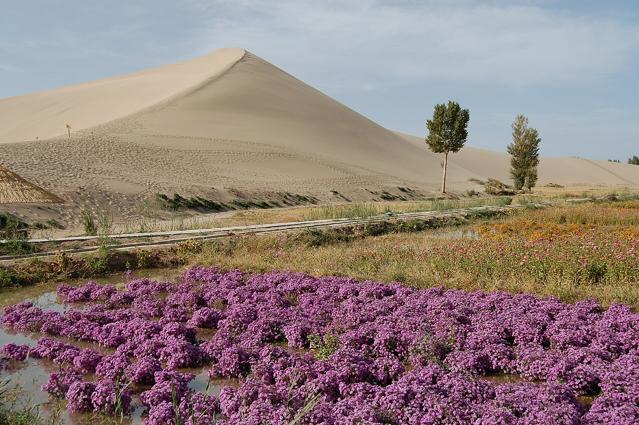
{"x": 23, "y": 380}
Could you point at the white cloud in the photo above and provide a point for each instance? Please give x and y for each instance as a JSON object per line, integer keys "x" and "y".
{"x": 363, "y": 43}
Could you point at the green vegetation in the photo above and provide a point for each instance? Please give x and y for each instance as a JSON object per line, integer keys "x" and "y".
{"x": 15, "y": 233}
{"x": 88, "y": 221}
{"x": 571, "y": 252}
{"x": 525, "y": 154}
{"x": 495, "y": 187}
{"x": 372, "y": 209}
{"x": 323, "y": 347}
{"x": 11, "y": 226}
{"x": 198, "y": 203}
{"x": 634, "y": 160}
{"x": 16, "y": 408}
{"x": 447, "y": 132}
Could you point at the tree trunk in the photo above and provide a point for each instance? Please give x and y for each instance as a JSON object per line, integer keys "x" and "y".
{"x": 445, "y": 170}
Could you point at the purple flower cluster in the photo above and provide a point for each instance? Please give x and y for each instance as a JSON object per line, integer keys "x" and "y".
{"x": 334, "y": 350}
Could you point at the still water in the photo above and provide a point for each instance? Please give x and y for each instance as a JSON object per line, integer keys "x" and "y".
{"x": 23, "y": 380}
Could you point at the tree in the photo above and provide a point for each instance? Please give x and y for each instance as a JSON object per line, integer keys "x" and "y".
{"x": 525, "y": 154}
{"x": 447, "y": 132}
{"x": 634, "y": 160}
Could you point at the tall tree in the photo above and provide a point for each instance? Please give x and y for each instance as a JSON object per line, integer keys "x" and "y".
{"x": 525, "y": 154}
{"x": 447, "y": 131}
{"x": 634, "y": 160}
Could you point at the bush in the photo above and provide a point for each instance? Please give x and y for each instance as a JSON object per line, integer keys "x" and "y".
{"x": 18, "y": 246}
{"x": 90, "y": 228}
{"x": 319, "y": 237}
{"x": 98, "y": 263}
{"x": 144, "y": 259}
{"x": 10, "y": 279}
{"x": 11, "y": 227}
{"x": 497, "y": 188}
{"x": 596, "y": 272}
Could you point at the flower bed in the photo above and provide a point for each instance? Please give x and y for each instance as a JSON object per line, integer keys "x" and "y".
{"x": 332, "y": 350}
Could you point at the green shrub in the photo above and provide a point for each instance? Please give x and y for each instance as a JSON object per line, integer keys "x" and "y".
{"x": 10, "y": 279}
{"x": 596, "y": 272}
{"x": 98, "y": 263}
{"x": 323, "y": 347}
{"x": 88, "y": 221}
{"x": 320, "y": 237}
{"x": 18, "y": 246}
{"x": 497, "y": 188}
{"x": 11, "y": 227}
{"x": 144, "y": 259}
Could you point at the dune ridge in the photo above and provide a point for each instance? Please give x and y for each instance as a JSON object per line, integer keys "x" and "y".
{"x": 232, "y": 121}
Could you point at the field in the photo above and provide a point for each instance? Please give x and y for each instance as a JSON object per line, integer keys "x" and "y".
{"x": 572, "y": 252}
{"x": 523, "y": 319}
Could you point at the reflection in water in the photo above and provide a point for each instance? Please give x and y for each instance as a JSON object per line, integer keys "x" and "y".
{"x": 28, "y": 377}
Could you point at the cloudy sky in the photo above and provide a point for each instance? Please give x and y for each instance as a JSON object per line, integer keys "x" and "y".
{"x": 571, "y": 66}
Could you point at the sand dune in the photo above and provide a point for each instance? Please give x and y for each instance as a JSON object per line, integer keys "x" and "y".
{"x": 44, "y": 115}
{"x": 227, "y": 121}
{"x": 569, "y": 171}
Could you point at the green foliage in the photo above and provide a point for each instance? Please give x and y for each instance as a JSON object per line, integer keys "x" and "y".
{"x": 16, "y": 246}
{"x": 144, "y": 259}
{"x": 17, "y": 408}
{"x": 98, "y": 263}
{"x": 634, "y": 160}
{"x": 323, "y": 347}
{"x": 11, "y": 227}
{"x": 596, "y": 272}
{"x": 525, "y": 154}
{"x": 88, "y": 221}
{"x": 498, "y": 188}
{"x": 435, "y": 350}
{"x": 320, "y": 237}
{"x": 15, "y": 232}
{"x": 447, "y": 131}
{"x": 9, "y": 279}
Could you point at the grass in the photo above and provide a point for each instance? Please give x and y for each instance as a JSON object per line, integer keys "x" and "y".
{"x": 371, "y": 209}
{"x": 288, "y": 207}
{"x": 107, "y": 261}
{"x": 16, "y": 408}
{"x": 570, "y": 251}
{"x": 557, "y": 259}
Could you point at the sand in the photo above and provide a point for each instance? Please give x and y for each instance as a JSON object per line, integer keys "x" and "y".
{"x": 15, "y": 189}
{"x": 230, "y": 122}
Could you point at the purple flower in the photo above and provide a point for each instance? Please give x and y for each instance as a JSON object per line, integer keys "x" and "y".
{"x": 16, "y": 352}
{"x": 109, "y": 397}
{"x": 79, "y": 396}
{"x": 59, "y": 382}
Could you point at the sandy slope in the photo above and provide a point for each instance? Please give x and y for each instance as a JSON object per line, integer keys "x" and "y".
{"x": 44, "y": 114}
{"x": 15, "y": 189}
{"x": 228, "y": 121}
{"x": 569, "y": 171}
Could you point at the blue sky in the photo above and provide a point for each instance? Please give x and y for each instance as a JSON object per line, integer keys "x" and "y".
{"x": 571, "y": 66}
